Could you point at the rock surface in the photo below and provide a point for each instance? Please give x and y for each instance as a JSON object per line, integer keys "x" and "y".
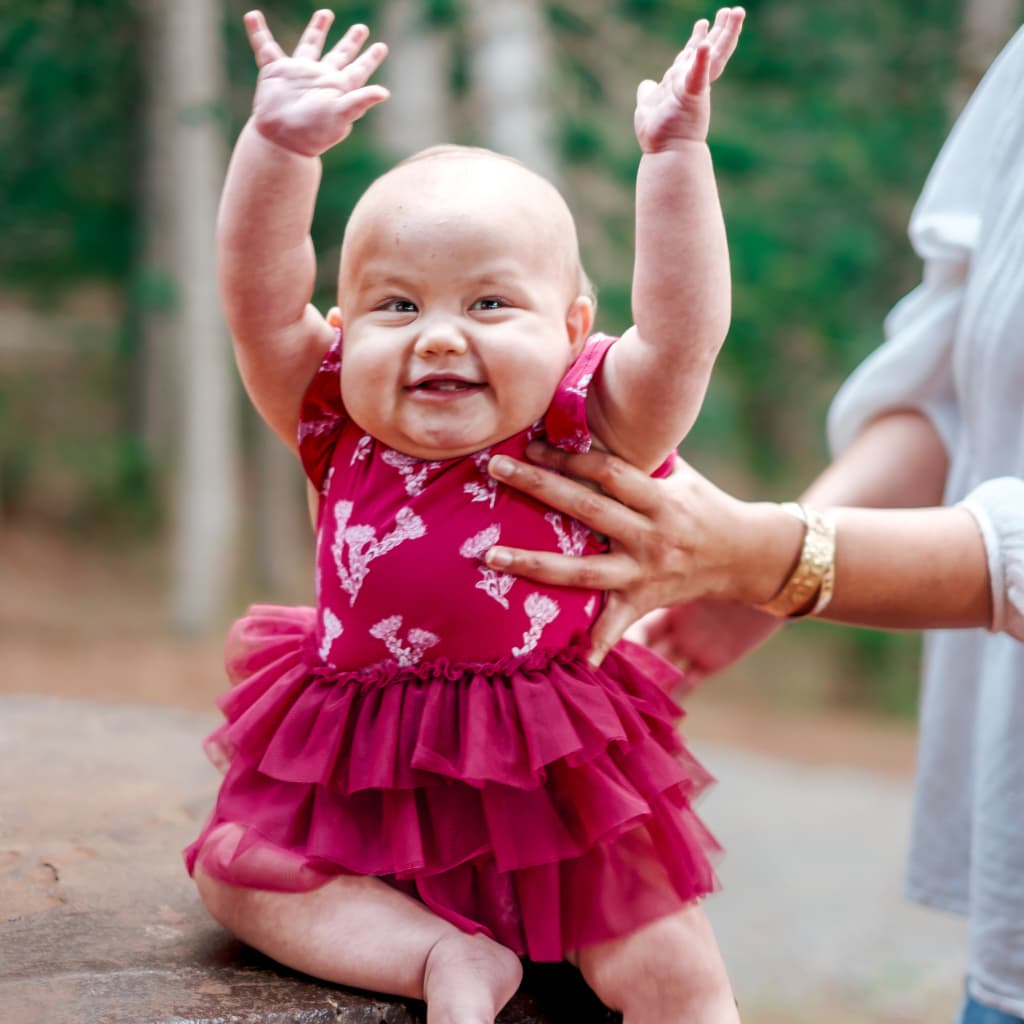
{"x": 99, "y": 923}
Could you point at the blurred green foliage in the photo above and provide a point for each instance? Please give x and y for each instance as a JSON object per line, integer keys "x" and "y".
{"x": 69, "y": 125}
{"x": 823, "y": 129}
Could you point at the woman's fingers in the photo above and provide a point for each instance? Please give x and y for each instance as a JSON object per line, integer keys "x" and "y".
{"x": 618, "y": 615}
{"x": 628, "y": 485}
{"x": 592, "y": 572}
{"x": 601, "y": 514}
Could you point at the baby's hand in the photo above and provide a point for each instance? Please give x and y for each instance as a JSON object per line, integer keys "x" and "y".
{"x": 307, "y": 103}
{"x": 678, "y": 108}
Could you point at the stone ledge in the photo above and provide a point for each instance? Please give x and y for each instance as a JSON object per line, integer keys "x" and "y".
{"x": 99, "y": 924}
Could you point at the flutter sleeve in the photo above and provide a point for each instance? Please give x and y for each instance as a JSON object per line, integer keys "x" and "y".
{"x": 998, "y": 507}
{"x": 914, "y": 367}
{"x": 565, "y": 424}
{"x": 322, "y": 416}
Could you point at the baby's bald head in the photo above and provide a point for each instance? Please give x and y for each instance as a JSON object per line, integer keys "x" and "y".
{"x": 437, "y": 191}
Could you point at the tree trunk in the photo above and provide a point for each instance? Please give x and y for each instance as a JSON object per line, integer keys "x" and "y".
{"x": 155, "y": 287}
{"x": 206, "y": 493}
{"x": 511, "y": 56}
{"x": 987, "y": 25}
{"x": 416, "y": 72}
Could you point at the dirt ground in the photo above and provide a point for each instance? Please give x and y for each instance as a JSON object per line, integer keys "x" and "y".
{"x": 85, "y": 621}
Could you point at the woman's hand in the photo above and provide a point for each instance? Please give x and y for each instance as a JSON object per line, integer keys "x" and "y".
{"x": 704, "y": 637}
{"x": 674, "y": 540}
{"x": 308, "y": 102}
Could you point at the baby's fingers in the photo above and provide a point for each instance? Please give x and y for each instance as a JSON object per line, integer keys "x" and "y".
{"x": 265, "y": 47}
{"x": 352, "y": 105}
{"x": 724, "y": 36}
{"x": 697, "y": 36}
{"x": 697, "y": 75}
{"x": 358, "y": 72}
{"x": 645, "y": 90}
{"x": 345, "y": 49}
{"x": 311, "y": 43}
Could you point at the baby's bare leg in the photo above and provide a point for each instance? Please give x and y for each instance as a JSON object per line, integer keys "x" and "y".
{"x": 361, "y": 932}
{"x": 668, "y": 972}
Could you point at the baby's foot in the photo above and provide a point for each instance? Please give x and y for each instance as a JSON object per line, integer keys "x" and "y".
{"x": 468, "y": 979}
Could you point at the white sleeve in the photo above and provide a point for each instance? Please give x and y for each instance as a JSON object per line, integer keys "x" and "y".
{"x": 998, "y": 507}
{"x": 913, "y": 369}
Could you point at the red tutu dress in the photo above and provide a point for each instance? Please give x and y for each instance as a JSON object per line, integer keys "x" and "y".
{"x": 435, "y": 723}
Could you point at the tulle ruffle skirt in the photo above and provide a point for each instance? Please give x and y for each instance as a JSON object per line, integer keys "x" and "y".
{"x": 542, "y": 801}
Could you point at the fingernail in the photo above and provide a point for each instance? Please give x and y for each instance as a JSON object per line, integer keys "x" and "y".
{"x": 535, "y": 450}
{"x": 501, "y": 466}
{"x": 497, "y": 558}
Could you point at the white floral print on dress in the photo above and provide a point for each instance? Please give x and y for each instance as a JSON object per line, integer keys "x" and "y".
{"x": 418, "y": 641}
{"x": 362, "y": 449}
{"x": 580, "y": 441}
{"x": 488, "y": 489}
{"x": 314, "y": 428}
{"x": 573, "y": 542}
{"x": 332, "y": 629}
{"x": 493, "y": 584}
{"x": 414, "y": 471}
{"x": 543, "y": 610}
{"x": 581, "y": 387}
{"x": 363, "y": 545}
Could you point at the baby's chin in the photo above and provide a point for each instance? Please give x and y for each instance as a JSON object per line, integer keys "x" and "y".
{"x": 442, "y": 452}
{"x": 444, "y": 449}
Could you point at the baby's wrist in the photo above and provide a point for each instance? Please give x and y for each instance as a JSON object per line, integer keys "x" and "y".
{"x": 278, "y": 142}
{"x": 679, "y": 146}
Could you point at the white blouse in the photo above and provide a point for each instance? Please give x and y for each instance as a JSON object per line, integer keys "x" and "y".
{"x": 955, "y": 350}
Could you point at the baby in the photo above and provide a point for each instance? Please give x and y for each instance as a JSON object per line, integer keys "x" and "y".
{"x": 426, "y": 780}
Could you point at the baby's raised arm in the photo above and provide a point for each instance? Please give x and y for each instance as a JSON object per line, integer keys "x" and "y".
{"x": 654, "y": 380}
{"x": 304, "y": 104}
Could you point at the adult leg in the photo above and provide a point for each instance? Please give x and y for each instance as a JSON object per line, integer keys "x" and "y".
{"x": 362, "y": 932}
{"x": 668, "y": 972}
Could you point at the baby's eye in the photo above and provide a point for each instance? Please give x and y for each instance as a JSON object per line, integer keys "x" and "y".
{"x": 398, "y": 306}
{"x": 490, "y": 302}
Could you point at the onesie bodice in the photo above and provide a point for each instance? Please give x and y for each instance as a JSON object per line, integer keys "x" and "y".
{"x": 400, "y": 577}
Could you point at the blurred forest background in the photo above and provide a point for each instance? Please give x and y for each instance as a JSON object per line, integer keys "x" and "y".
{"x": 137, "y": 488}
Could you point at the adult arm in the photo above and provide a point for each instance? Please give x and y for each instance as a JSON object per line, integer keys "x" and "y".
{"x": 683, "y": 539}
{"x": 891, "y": 425}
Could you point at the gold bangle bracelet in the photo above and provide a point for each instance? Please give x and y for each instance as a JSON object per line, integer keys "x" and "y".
{"x": 810, "y": 584}
{"x": 828, "y": 581}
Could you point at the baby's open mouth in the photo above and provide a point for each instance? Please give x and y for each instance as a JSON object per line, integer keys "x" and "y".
{"x": 446, "y": 384}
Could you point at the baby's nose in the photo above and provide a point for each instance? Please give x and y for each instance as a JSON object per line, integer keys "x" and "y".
{"x": 441, "y": 337}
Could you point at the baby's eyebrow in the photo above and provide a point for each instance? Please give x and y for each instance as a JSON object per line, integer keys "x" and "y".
{"x": 369, "y": 276}
{"x": 497, "y": 277}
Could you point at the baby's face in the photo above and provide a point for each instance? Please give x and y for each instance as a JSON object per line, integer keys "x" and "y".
{"x": 459, "y": 305}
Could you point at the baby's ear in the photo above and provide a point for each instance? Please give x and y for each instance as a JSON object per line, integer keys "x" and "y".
{"x": 334, "y": 317}
{"x": 578, "y": 321}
